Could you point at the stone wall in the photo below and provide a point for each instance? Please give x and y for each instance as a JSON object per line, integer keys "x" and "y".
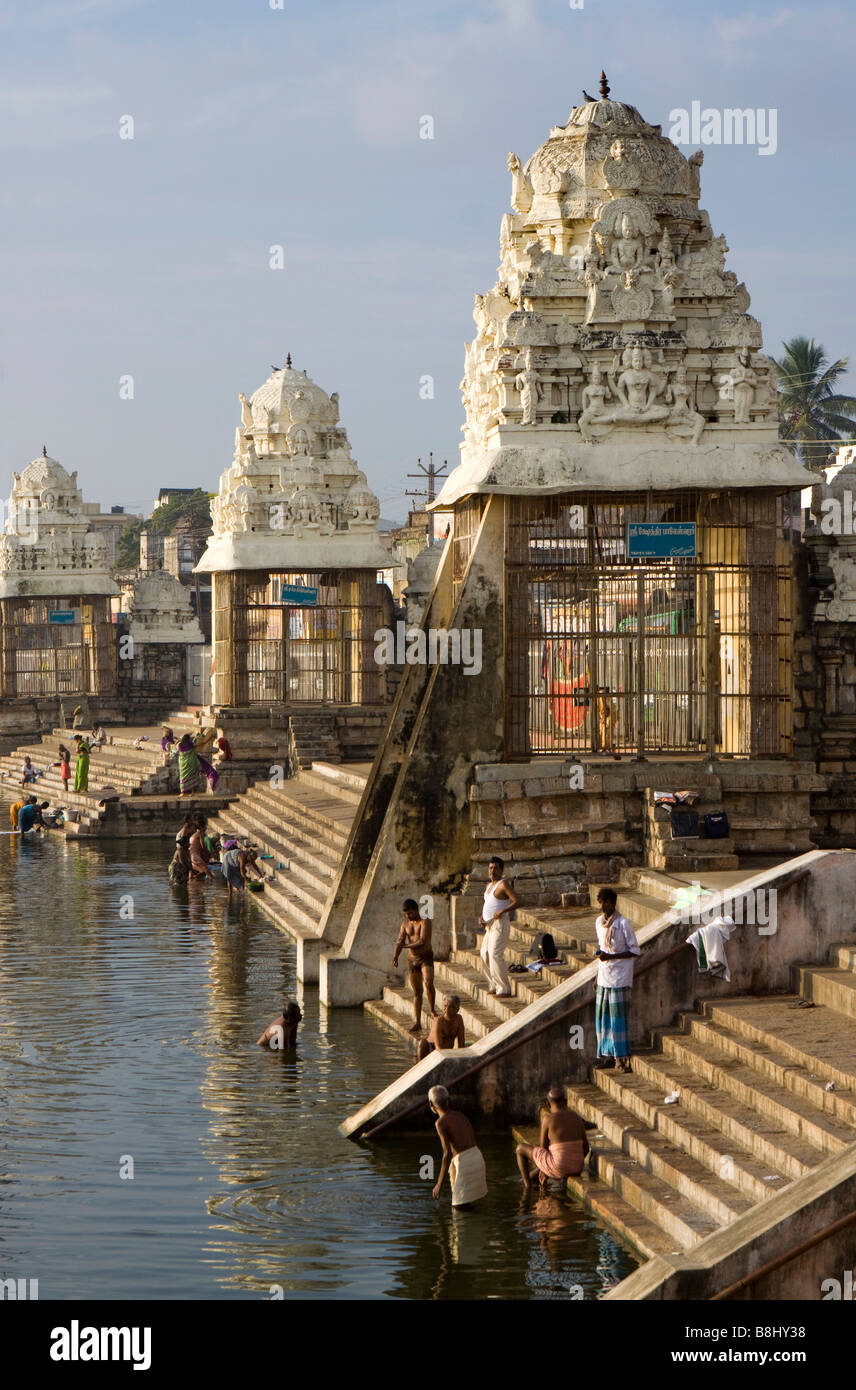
{"x": 825, "y": 706}
{"x": 557, "y": 838}
{"x": 156, "y": 675}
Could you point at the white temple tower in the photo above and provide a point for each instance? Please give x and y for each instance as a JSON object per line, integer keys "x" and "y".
{"x": 56, "y": 632}
{"x": 294, "y": 516}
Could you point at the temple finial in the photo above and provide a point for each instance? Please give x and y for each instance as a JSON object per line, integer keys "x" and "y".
{"x": 604, "y": 86}
{"x": 44, "y": 451}
{"x": 288, "y": 360}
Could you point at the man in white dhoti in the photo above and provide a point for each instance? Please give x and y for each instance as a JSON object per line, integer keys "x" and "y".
{"x": 462, "y": 1158}
{"x": 500, "y": 901}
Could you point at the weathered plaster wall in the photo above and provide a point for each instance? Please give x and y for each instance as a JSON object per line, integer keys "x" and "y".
{"x": 412, "y": 833}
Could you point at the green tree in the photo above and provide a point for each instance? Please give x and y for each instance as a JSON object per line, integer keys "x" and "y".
{"x": 811, "y": 412}
{"x": 128, "y": 546}
{"x": 196, "y": 507}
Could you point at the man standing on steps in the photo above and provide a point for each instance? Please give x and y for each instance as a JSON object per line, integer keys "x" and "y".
{"x": 499, "y": 901}
{"x": 617, "y": 945}
{"x": 415, "y": 934}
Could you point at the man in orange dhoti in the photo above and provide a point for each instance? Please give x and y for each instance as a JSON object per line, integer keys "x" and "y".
{"x": 563, "y": 1148}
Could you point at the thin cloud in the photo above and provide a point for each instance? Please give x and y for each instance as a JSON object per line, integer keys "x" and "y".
{"x": 749, "y": 26}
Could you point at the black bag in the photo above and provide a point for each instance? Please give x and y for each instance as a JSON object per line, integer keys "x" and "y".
{"x": 716, "y": 825}
{"x": 685, "y": 825}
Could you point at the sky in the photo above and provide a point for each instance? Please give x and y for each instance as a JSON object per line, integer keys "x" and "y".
{"x": 254, "y": 127}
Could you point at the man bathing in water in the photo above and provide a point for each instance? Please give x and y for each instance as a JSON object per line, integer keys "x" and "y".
{"x": 462, "y": 1158}
{"x": 563, "y": 1147}
{"x": 415, "y": 934}
{"x": 447, "y": 1030}
{"x": 282, "y": 1033}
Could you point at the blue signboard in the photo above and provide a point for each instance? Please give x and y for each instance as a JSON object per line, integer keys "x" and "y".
{"x": 62, "y": 615}
{"x": 296, "y": 594}
{"x": 661, "y": 540}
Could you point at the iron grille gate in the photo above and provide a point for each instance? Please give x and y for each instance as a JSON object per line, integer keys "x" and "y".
{"x": 42, "y": 658}
{"x": 608, "y": 654}
{"x": 318, "y": 653}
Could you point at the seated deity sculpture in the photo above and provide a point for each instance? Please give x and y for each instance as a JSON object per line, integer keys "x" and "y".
{"x": 635, "y": 394}
{"x": 628, "y": 249}
{"x": 682, "y": 413}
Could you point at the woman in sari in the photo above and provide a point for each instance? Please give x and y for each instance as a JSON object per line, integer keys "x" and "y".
{"x": 192, "y": 768}
{"x": 81, "y": 764}
{"x": 167, "y": 743}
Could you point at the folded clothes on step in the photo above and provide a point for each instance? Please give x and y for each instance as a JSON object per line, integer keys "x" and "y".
{"x": 687, "y": 798}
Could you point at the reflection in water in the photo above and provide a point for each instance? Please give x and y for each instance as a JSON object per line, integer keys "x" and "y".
{"x": 136, "y": 1038}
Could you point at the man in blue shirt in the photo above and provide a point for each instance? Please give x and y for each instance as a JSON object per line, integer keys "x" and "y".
{"x": 31, "y": 815}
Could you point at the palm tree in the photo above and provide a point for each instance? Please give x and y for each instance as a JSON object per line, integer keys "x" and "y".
{"x": 811, "y": 412}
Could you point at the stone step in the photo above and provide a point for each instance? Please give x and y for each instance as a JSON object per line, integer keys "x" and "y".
{"x": 321, "y": 781}
{"x": 843, "y": 956}
{"x": 683, "y": 1220}
{"x": 305, "y": 882}
{"x": 826, "y": 985}
{"x": 793, "y": 1069}
{"x": 655, "y": 884}
{"x": 710, "y": 1063}
{"x": 467, "y": 966}
{"x": 346, "y": 776}
{"x": 763, "y": 1132}
{"x": 691, "y": 861}
{"x": 571, "y": 928}
{"x": 640, "y": 908}
{"x": 289, "y": 911}
{"x": 644, "y": 1236}
{"x": 478, "y": 1020}
{"x": 328, "y": 815}
{"x": 818, "y": 1040}
{"x": 728, "y": 1162}
{"x": 287, "y": 842}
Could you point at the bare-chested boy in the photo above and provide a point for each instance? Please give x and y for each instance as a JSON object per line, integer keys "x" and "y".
{"x": 447, "y": 1030}
{"x": 415, "y": 934}
{"x": 462, "y": 1158}
{"x": 563, "y": 1147}
{"x": 282, "y": 1033}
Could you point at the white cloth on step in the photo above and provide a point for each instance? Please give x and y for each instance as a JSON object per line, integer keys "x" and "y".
{"x": 708, "y": 942}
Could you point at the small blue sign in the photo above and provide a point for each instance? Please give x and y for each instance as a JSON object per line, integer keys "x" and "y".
{"x": 661, "y": 540}
{"x": 295, "y": 594}
{"x": 62, "y": 615}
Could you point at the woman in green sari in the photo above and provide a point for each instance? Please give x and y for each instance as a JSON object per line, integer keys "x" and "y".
{"x": 192, "y": 769}
{"x": 81, "y": 764}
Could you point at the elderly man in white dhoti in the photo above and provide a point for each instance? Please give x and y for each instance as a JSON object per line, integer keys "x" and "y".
{"x": 462, "y": 1158}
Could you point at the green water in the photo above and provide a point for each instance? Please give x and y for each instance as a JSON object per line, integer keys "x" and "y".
{"x": 127, "y": 1043}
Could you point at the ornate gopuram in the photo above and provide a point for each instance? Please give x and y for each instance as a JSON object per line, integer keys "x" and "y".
{"x": 57, "y": 638}
{"x": 293, "y": 555}
{"x": 621, "y": 545}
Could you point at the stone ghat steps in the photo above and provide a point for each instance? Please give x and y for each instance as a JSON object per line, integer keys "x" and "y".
{"x": 304, "y": 825}
{"x": 752, "y": 1113}
{"x": 117, "y": 769}
{"x": 463, "y": 974}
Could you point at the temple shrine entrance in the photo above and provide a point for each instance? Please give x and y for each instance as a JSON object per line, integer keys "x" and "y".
{"x": 57, "y": 646}
{"x": 270, "y": 647}
{"x": 615, "y": 652}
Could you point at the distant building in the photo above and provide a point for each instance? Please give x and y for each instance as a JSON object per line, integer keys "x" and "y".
{"x": 56, "y": 632}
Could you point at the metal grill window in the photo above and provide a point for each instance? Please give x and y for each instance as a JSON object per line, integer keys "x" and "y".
{"x": 318, "y": 653}
{"x": 468, "y": 515}
{"x": 44, "y": 658}
{"x": 610, "y": 654}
